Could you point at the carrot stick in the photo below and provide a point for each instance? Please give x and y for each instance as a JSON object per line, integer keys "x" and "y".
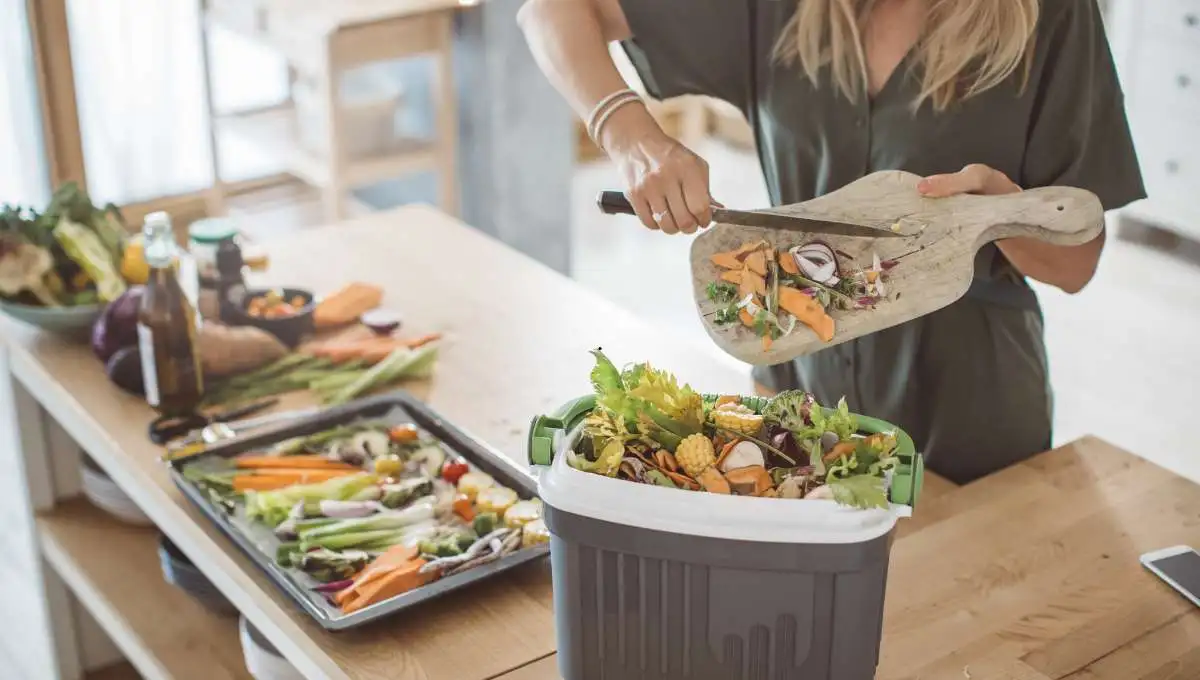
{"x": 423, "y": 340}
{"x": 261, "y": 482}
{"x": 292, "y": 462}
{"x": 277, "y": 479}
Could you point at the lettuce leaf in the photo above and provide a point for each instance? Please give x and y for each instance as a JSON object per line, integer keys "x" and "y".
{"x": 859, "y": 491}
{"x": 608, "y": 435}
{"x": 610, "y": 389}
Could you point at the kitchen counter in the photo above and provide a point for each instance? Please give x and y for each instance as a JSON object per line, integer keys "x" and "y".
{"x": 1033, "y": 574}
{"x": 517, "y": 341}
{"x": 1030, "y": 574}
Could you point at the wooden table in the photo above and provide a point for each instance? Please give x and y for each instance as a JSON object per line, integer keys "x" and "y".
{"x": 1033, "y": 574}
{"x": 1030, "y": 574}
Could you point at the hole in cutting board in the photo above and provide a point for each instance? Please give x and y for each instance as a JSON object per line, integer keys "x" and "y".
{"x": 1061, "y": 208}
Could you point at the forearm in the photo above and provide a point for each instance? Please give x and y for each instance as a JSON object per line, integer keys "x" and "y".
{"x": 1067, "y": 267}
{"x": 569, "y": 40}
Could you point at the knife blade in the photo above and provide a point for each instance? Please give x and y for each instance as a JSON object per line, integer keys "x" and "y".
{"x": 615, "y": 203}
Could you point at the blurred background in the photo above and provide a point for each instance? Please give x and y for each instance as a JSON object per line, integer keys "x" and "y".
{"x": 290, "y": 114}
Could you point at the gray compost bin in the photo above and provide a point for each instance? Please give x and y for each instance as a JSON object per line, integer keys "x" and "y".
{"x": 653, "y": 583}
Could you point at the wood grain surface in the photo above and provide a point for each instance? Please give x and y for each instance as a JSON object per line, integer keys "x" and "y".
{"x": 936, "y": 259}
{"x": 1033, "y": 574}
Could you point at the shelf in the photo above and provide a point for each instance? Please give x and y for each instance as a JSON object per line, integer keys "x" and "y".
{"x": 113, "y": 569}
{"x": 273, "y": 132}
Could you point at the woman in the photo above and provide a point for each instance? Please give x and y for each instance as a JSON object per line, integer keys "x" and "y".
{"x": 977, "y": 96}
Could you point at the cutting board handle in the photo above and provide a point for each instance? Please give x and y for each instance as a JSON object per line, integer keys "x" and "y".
{"x": 1060, "y": 215}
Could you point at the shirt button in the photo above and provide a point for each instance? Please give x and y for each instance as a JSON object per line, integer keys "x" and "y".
{"x": 859, "y": 122}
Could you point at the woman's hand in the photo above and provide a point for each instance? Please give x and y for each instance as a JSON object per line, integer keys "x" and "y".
{"x": 666, "y": 182}
{"x": 973, "y": 179}
{"x": 1070, "y": 268}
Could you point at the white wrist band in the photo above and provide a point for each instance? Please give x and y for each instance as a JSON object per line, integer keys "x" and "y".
{"x": 598, "y": 125}
{"x": 603, "y": 104}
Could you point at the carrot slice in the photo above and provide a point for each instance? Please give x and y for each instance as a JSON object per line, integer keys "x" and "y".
{"x": 757, "y": 262}
{"x": 726, "y": 261}
{"x": 787, "y": 262}
{"x": 464, "y": 509}
{"x": 808, "y": 311}
{"x": 292, "y": 462}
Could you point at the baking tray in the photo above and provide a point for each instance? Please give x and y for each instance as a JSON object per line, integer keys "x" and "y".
{"x": 394, "y": 408}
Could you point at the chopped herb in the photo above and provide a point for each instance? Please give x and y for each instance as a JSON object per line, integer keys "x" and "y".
{"x": 726, "y": 315}
{"x": 722, "y": 292}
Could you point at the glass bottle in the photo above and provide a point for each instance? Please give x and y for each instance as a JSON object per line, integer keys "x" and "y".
{"x": 167, "y": 324}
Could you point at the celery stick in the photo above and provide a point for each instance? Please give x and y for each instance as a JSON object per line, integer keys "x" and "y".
{"x": 351, "y": 540}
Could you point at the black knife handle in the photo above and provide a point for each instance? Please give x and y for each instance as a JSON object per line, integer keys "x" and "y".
{"x": 614, "y": 203}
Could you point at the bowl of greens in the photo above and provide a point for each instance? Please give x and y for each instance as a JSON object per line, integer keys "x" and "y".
{"x": 60, "y": 266}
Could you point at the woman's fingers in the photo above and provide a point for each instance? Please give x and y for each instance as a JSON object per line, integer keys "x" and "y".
{"x": 973, "y": 179}
{"x": 641, "y": 207}
{"x": 663, "y": 219}
{"x": 696, "y": 194}
{"x": 685, "y": 221}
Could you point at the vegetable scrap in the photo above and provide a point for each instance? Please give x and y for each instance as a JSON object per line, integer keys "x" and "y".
{"x": 337, "y": 371}
{"x": 769, "y": 290}
{"x": 272, "y": 305}
{"x": 346, "y": 305}
{"x": 67, "y": 255}
{"x": 646, "y": 428}
{"x": 368, "y": 511}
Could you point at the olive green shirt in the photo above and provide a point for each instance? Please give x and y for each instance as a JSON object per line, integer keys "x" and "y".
{"x": 969, "y": 382}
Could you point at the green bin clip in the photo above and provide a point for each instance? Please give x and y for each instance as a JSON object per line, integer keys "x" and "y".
{"x": 543, "y": 428}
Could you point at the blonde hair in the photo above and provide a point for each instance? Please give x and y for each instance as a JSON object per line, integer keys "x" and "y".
{"x": 966, "y": 46}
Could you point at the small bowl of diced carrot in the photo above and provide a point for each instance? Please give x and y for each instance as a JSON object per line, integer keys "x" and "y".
{"x": 286, "y": 313}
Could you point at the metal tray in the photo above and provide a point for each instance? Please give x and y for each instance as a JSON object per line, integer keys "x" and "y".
{"x": 395, "y": 408}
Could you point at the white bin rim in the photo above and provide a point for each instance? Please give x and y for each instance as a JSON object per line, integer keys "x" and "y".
{"x": 706, "y": 515}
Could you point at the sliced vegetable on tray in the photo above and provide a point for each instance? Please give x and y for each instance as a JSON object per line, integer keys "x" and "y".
{"x": 367, "y": 511}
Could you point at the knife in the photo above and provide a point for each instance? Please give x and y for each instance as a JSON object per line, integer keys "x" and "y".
{"x": 615, "y": 203}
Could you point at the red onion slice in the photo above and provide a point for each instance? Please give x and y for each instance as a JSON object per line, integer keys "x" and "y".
{"x": 817, "y": 261}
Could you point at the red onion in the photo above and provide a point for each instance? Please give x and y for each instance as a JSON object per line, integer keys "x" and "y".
{"x": 817, "y": 261}
{"x": 334, "y": 586}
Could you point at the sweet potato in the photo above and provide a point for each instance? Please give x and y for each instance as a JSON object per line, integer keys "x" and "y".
{"x": 752, "y": 284}
{"x": 396, "y": 571}
{"x": 726, "y": 261}
{"x": 750, "y": 481}
{"x": 714, "y": 482}
{"x": 395, "y": 582}
{"x": 808, "y": 311}
{"x": 757, "y": 262}
{"x": 787, "y": 262}
{"x": 347, "y": 304}
{"x": 734, "y": 277}
{"x": 749, "y": 247}
{"x": 228, "y": 350}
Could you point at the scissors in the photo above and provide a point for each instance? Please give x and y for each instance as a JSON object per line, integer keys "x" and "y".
{"x": 165, "y": 428}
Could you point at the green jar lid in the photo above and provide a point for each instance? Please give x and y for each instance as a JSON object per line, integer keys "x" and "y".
{"x": 212, "y": 230}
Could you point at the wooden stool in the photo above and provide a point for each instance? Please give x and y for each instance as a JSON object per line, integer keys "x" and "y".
{"x": 321, "y": 40}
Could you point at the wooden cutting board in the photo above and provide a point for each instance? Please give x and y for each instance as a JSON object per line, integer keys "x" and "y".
{"x": 936, "y": 258}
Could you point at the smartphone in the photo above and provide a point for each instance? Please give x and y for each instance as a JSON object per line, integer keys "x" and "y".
{"x": 1179, "y": 567}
